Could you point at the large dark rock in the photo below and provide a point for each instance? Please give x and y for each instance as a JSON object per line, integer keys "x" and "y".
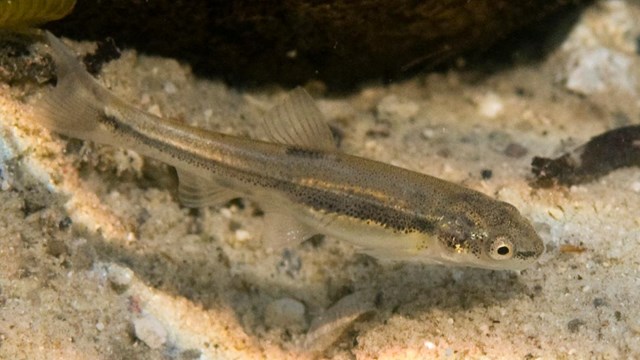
{"x": 290, "y": 42}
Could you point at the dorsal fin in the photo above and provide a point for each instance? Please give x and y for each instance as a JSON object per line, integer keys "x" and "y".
{"x": 298, "y": 121}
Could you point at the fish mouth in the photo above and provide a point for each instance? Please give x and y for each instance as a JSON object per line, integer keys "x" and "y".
{"x": 471, "y": 261}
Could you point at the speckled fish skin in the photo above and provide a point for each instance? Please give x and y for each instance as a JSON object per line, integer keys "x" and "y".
{"x": 385, "y": 211}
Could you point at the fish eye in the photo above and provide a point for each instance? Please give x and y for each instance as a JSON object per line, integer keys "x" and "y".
{"x": 501, "y": 249}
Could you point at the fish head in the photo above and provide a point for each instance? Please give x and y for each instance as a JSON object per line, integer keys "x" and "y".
{"x": 479, "y": 231}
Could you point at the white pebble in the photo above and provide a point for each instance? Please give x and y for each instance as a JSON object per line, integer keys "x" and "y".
{"x": 428, "y": 133}
{"x": 170, "y": 88}
{"x": 226, "y": 213}
{"x": 5, "y": 185}
{"x": 155, "y": 110}
{"x": 635, "y": 186}
{"x": 490, "y": 105}
{"x": 208, "y": 113}
{"x": 150, "y": 331}
{"x": 242, "y": 235}
{"x": 599, "y": 69}
{"x": 131, "y": 237}
{"x": 100, "y": 326}
{"x": 286, "y": 313}
{"x": 119, "y": 276}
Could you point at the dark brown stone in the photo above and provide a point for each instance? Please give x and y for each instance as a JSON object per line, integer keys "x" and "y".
{"x": 340, "y": 42}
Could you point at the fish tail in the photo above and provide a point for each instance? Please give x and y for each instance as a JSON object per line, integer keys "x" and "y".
{"x": 76, "y": 106}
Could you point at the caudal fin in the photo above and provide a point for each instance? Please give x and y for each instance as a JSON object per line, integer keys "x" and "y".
{"x": 77, "y": 103}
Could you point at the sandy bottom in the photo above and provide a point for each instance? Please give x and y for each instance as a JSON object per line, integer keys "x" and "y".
{"x": 98, "y": 260}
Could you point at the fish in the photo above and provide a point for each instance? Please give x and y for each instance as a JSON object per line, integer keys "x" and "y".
{"x": 299, "y": 177}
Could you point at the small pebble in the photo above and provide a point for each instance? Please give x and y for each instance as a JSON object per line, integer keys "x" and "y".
{"x": 242, "y": 235}
{"x": 170, "y": 88}
{"x": 286, "y": 313}
{"x": 597, "y": 302}
{"x": 131, "y": 237}
{"x": 155, "y": 110}
{"x": 574, "y": 325}
{"x": 150, "y": 331}
{"x": 486, "y": 174}
{"x": 100, "y": 326}
{"x": 120, "y": 277}
{"x": 514, "y": 150}
{"x": 5, "y": 185}
{"x": 65, "y": 223}
{"x": 226, "y": 213}
{"x": 428, "y": 133}
{"x": 490, "y": 105}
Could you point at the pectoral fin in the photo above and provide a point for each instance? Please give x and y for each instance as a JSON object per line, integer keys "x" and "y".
{"x": 196, "y": 191}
